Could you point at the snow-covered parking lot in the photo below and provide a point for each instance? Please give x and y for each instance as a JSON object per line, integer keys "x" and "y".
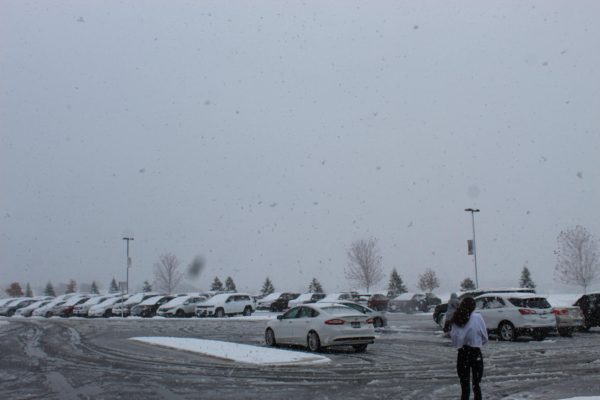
{"x": 96, "y": 359}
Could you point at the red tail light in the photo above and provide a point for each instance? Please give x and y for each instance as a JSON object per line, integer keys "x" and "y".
{"x": 370, "y": 321}
{"x": 525, "y": 311}
{"x": 560, "y": 311}
{"x": 335, "y": 321}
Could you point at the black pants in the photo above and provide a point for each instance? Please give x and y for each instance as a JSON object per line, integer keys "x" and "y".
{"x": 469, "y": 361}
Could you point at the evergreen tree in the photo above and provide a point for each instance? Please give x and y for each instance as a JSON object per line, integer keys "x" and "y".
{"x": 49, "y": 290}
{"x": 28, "y": 291}
{"x": 467, "y": 284}
{"x": 315, "y": 286}
{"x": 267, "y": 288}
{"x": 71, "y": 286}
{"x": 217, "y": 285}
{"x": 94, "y": 288}
{"x": 230, "y": 285}
{"x": 14, "y": 290}
{"x": 147, "y": 287}
{"x": 114, "y": 288}
{"x": 396, "y": 286}
{"x": 526, "y": 281}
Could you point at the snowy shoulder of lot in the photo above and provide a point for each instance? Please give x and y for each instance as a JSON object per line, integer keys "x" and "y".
{"x": 235, "y": 351}
{"x": 3, "y": 322}
{"x": 584, "y": 398}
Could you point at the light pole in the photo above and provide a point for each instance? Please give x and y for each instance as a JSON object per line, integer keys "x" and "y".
{"x": 473, "y": 211}
{"x": 128, "y": 261}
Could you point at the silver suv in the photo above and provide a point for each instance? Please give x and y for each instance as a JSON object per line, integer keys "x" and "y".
{"x": 182, "y": 306}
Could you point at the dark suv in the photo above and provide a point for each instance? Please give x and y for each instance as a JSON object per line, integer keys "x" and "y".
{"x": 590, "y": 307}
{"x": 282, "y": 301}
{"x": 378, "y": 302}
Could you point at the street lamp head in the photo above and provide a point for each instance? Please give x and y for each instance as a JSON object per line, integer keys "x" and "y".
{"x": 472, "y": 210}
{"x": 127, "y": 238}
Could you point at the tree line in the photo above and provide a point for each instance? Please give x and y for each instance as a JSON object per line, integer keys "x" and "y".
{"x": 577, "y": 263}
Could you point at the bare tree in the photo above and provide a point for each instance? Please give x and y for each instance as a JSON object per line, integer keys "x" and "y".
{"x": 428, "y": 281}
{"x": 577, "y": 255}
{"x": 166, "y": 273}
{"x": 364, "y": 263}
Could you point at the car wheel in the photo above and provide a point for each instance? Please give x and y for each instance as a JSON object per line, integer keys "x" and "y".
{"x": 247, "y": 311}
{"x": 107, "y": 313}
{"x": 507, "y": 331}
{"x": 586, "y": 325}
{"x": 48, "y": 314}
{"x": 313, "y": 342}
{"x": 270, "y": 337}
{"x": 377, "y": 322}
{"x": 180, "y": 314}
{"x": 220, "y": 313}
{"x": 538, "y": 335}
{"x": 565, "y": 332}
{"x": 360, "y": 348}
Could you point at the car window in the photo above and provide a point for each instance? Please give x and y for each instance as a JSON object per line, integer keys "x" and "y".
{"x": 537, "y": 302}
{"x": 495, "y": 302}
{"x": 357, "y": 307}
{"x": 480, "y": 304}
{"x": 292, "y": 313}
{"x": 338, "y": 310}
{"x": 306, "y": 312}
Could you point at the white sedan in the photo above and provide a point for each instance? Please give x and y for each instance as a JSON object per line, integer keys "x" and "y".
{"x": 321, "y": 325}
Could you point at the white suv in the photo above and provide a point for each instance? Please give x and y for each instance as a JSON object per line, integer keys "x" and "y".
{"x": 513, "y": 314}
{"x": 226, "y": 304}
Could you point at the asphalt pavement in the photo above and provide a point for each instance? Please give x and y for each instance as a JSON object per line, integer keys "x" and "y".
{"x": 93, "y": 359}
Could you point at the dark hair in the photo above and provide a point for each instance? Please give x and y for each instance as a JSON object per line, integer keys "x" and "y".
{"x": 463, "y": 312}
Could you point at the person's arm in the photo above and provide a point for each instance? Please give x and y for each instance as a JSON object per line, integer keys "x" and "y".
{"x": 482, "y": 328}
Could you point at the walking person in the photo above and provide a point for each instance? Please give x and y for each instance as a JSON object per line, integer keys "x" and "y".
{"x": 468, "y": 334}
{"x": 452, "y": 306}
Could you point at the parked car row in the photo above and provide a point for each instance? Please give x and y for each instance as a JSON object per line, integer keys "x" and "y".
{"x": 150, "y": 304}
{"x": 509, "y": 313}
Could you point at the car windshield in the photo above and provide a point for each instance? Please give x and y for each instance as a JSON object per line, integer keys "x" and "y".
{"x": 534, "y": 302}
{"x": 272, "y": 296}
{"x": 304, "y": 297}
{"x": 339, "y": 310}
{"x": 357, "y": 307}
{"x": 177, "y": 301}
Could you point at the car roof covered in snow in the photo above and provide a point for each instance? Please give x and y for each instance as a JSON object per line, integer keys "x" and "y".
{"x": 151, "y": 300}
{"x": 513, "y": 295}
{"x": 408, "y": 296}
{"x": 272, "y": 296}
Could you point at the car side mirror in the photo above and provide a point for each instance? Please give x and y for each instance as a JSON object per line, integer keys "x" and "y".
{"x": 280, "y": 317}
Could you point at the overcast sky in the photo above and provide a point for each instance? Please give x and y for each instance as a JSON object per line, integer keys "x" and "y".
{"x": 268, "y": 136}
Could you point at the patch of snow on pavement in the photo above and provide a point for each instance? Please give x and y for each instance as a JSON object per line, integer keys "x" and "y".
{"x": 3, "y": 322}
{"x": 236, "y": 352}
{"x": 584, "y": 398}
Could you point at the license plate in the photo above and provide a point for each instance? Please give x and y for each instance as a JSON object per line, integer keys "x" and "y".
{"x": 355, "y": 324}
